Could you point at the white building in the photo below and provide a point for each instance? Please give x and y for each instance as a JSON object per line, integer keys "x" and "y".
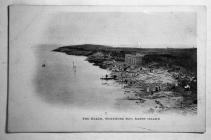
{"x": 134, "y": 59}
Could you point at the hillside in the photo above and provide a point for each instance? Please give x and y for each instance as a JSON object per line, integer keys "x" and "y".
{"x": 186, "y": 58}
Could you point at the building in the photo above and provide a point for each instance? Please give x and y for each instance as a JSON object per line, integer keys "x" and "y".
{"x": 133, "y": 59}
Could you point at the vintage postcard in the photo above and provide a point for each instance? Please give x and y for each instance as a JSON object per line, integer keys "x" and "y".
{"x": 106, "y": 69}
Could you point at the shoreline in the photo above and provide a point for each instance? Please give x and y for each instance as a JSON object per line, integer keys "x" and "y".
{"x": 160, "y": 85}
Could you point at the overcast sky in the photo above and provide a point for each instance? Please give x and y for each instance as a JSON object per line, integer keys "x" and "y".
{"x": 110, "y": 28}
{"x": 123, "y": 28}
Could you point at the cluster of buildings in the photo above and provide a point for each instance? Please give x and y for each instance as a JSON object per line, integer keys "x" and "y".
{"x": 134, "y": 59}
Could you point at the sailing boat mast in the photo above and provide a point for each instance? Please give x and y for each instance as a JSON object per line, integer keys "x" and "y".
{"x": 74, "y": 67}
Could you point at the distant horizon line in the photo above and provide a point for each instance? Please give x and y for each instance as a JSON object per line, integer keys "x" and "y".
{"x": 140, "y": 46}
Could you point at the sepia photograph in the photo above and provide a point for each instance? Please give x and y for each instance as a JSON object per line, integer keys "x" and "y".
{"x": 105, "y": 69}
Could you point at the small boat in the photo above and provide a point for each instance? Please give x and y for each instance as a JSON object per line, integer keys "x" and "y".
{"x": 43, "y": 65}
{"x": 106, "y": 78}
{"x": 74, "y": 67}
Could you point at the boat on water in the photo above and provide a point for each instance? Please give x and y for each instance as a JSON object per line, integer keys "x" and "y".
{"x": 106, "y": 78}
{"x": 74, "y": 67}
{"x": 43, "y": 65}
